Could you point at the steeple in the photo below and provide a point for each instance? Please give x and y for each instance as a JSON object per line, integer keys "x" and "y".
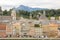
{"x": 30, "y": 16}
{"x": 43, "y": 16}
{"x": 44, "y": 13}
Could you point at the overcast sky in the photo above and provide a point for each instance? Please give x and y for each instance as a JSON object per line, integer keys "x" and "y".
{"x": 51, "y": 4}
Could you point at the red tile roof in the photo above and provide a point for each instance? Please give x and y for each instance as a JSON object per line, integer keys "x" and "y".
{"x": 2, "y": 26}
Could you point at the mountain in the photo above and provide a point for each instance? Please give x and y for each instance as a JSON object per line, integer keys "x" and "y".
{"x": 26, "y": 8}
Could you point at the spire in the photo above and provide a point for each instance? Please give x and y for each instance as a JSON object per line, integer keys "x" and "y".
{"x": 42, "y": 16}
{"x": 44, "y": 13}
{"x": 30, "y": 16}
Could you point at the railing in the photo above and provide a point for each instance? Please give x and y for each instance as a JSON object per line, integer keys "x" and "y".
{"x": 33, "y": 38}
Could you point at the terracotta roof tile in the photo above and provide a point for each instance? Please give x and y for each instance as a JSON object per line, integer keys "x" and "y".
{"x": 2, "y": 26}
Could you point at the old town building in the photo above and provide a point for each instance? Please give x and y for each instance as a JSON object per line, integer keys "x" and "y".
{"x": 11, "y": 27}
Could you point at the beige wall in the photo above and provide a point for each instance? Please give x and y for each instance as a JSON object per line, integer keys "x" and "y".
{"x": 32, "y": 31}
{"x": 17, "y": 27}
{"x": 51, "y": 30}
{"x": 9, "y": 30}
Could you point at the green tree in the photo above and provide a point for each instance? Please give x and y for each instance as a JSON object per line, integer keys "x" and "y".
{"x": 5, "y": 12}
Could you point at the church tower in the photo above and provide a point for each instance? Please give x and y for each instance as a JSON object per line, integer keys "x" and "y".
{"x": 44, "y": 13}
{"x": 13, "y": 14}
{"x": 30, "y": 16}
{"x": 43, "y": 16}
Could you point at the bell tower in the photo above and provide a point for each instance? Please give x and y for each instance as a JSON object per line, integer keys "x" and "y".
{"x": 13, "y": 14}
{"x": 44, "y": 13}
{"x": 30, "y": 16}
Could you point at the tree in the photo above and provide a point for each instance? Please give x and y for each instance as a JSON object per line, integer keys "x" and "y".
{"x": 5, "y": 12}
{"x": 9, "y": 12}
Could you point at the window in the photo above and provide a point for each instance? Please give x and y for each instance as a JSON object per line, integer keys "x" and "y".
{"x": 36, "y": 25}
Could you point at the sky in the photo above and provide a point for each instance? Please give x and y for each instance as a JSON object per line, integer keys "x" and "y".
{"x": 50, "y": 4}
